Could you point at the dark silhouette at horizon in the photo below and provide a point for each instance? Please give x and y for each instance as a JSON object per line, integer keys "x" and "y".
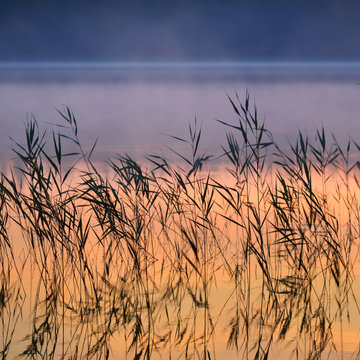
{"x": 185, "y": 31}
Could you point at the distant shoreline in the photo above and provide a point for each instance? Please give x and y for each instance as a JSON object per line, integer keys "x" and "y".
{"x": 300, "y": 65}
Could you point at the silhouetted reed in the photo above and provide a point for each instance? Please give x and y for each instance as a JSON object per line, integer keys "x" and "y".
{"x": 169, "y": 258}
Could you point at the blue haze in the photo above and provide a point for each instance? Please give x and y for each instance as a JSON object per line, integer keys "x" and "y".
{"x": 141, "y": 30}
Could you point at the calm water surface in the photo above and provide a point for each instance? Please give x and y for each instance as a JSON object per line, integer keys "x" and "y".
{"x": 251, "y": 266}
{"x": 130, "y": 107}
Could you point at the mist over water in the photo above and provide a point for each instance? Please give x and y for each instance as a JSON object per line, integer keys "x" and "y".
{"x": 131, "y": 106}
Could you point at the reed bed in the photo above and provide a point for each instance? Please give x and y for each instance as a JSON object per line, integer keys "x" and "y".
{"x": 167, "y": 258}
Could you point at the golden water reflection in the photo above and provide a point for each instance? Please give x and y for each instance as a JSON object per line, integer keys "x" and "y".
{"x": 162, "y": 277}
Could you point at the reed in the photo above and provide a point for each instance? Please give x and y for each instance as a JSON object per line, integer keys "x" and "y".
{"x": 167, "y": 258}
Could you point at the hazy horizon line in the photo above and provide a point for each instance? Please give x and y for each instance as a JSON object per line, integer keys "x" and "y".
{"x": 318, "y": 64}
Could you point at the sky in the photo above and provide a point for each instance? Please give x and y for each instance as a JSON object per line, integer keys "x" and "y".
{"x": 198, "y": 30}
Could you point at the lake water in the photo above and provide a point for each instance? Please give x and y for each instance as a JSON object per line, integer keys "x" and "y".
{"x": 255, "y": 262}
{"x": 130, "y": 107}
